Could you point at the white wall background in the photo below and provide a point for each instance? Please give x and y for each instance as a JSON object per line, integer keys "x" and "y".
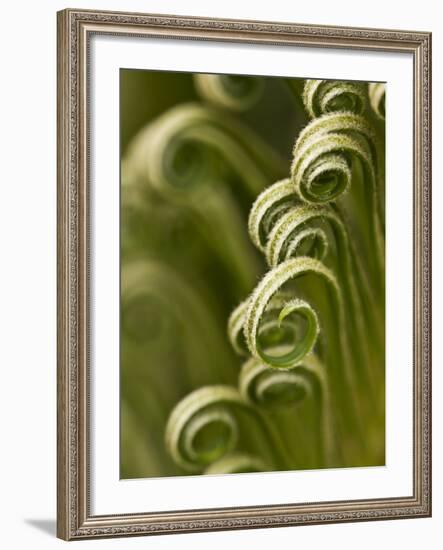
{"x": 28, "y": 272}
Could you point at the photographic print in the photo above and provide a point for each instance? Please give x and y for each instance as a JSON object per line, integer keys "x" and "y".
{"x": 252, "y": 254}
{"x": 244, "y": 293}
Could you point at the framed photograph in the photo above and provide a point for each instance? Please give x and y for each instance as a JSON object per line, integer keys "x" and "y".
{"x": 244, "y": 247}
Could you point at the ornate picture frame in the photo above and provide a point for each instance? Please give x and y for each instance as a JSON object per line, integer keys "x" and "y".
{"x": 75, "y": 518}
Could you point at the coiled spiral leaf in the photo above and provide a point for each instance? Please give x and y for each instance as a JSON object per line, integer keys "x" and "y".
{"x": 268, "y": 206}
{"x": 330, "y": 96}
{"x": 235, "y": 92}
{"x": 266, "y": 386}
{"x": 202, "y": 428}
{"x": 272, "y": 283}
{"x": 192, "y": 145}
{"x": 323, "y": 152}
